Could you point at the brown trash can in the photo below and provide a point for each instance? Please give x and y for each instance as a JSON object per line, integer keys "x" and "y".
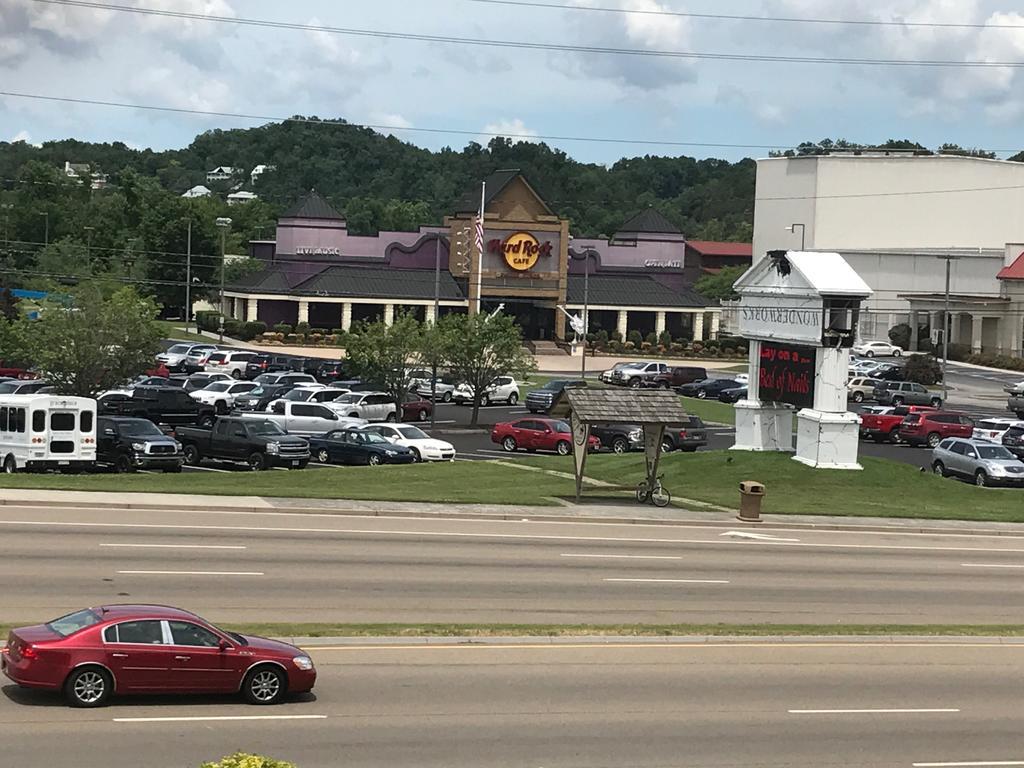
{"x": 751, "y": 494}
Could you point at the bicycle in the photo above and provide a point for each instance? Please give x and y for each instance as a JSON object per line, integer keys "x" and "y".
{"x": 657, "y": 494}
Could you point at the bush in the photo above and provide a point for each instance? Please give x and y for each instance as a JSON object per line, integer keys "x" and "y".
{"x": 337, "y": 331}
{"x": 283, "y": 328}
{"x": 997, "y": 361}
{"x": 741, "y": 349}
{"x": 601, "y": 339}
{"x": 634, "y": 338}
{"x": 253, "y": 329}
{"x": 629, "y": 346}
{"x": 291, "y": 338}
{"x": 320, "y": 331}
{"x": 245, "y": 760}
{"x": 615, "y": 336}
{"x": 232, "y": 327}
{"x": 614, "y": 345}
{"x": 959, "y": 352}
{"x": 645, "y": 346}
{"x": 665, "y": 338}
{"x": 900, "y": 335}
{"x": 651, "y": 338}
{"x": 302, "y": 328}
{"x": 924, "y": 369}
{"x": 207, "y": 320}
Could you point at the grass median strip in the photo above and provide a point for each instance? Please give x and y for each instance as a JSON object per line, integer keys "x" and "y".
{"x": 322, "y": 629}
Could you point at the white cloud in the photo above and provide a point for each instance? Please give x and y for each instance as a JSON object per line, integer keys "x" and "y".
{"x": 22, "y": 135}
{"x": 390, "y": 119}
{"x": 509, "y": 128}
{"x": 176, "y": 87}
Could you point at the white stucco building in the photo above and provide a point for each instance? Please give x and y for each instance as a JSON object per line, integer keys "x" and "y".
{"x": 895, "y": 218}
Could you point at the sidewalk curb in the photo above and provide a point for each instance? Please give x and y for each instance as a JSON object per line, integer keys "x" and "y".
{"x": 526, "y": 516}
{"x": 311, "y": 643}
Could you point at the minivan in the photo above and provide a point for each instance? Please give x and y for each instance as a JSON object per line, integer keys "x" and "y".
{"x": 226, "y": 361}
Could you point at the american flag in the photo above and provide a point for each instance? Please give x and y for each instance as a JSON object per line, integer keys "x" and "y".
{"x": 479, "y": 235}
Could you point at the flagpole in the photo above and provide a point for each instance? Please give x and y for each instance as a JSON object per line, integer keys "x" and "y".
{"x": 480, "y": 252}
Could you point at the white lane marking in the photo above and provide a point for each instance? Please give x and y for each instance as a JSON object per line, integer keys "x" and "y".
{"x": 898, "y": 711}
{"x": 217, "y": 718}
{"x": 625, "y": 557}
{"x": 315, "y": 649}
{"x": 988, "y": 565}
{"x": 195, "y": 573}
{"x": 206, "y": 469}
{"x": 671, "y": 581}
{"x": 481, "y": 535}
{"x": 754, "y": 536}
{"x": 975, "y": 764}
{"x": 177, "y": 546}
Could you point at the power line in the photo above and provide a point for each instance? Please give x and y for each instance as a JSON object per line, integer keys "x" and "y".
{"x": 381, "y": 127}
{"x": 537, "y": 46}
{"x": 774, "y": 19}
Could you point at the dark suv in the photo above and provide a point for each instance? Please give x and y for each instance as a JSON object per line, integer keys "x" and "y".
{"x": 161, "y": 405}
{"x": 128, "y": 444}
{"x": 685, "y": 437}
{"x": 540, "y": 400}
{"x": 268, "y": 363}
{"x": 677, "y": 376}
{"x": 1013, "y": 441}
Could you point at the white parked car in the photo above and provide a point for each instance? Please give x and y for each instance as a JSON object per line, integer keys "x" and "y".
{"x": 443, "y": 390}
{"x": 174, "y": 358}
{"x": 503, "y": 389}
{"x": 415, "y": 439}
{"x": 992, "y": 430}
{"x": 231, "y": 363}
{"x": 221, "y": 394}
{"x": 741, "y": 378}
{"x": 372, "y": 406}
{"x": 877, "y": 349}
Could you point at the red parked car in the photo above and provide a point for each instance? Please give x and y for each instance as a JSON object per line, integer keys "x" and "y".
{"x": 92, "y": 654}
{"x": 932, "y": 427}
{"x": 415, "y": 408}
{"x": 160, "y": 370}
{"x": 537, "y": 435}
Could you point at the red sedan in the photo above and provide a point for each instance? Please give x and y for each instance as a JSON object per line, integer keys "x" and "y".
{"x": 92, "y": 654}
{"x": 537, "y": 435}
{"x": 415, "y": 408}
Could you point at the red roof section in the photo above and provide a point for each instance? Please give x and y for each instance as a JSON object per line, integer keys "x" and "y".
{"x": 716, "y": 248}
{"x": 1013, "y": 272}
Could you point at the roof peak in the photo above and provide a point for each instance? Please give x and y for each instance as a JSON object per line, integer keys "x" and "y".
{"x": 312, "y": 206}
{"x": 650, "y": 220}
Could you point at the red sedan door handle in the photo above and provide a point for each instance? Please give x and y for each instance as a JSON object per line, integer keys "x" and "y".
{"x": 182, "y": 658}
{"x": 119, "y": 655}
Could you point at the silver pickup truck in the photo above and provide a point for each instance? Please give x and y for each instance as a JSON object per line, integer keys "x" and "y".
{"x": 298, "y": 418}
{"x": 1015, "y": 402}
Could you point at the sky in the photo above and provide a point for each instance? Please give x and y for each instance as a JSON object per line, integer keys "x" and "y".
{"x": 58, "y": 50}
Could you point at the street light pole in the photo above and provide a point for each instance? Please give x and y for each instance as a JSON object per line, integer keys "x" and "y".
{"x": 945, "y": 326}
{"x": 585, "y": 256}
{"x": 188, "y": 277}
{"x": 223, "y": 223}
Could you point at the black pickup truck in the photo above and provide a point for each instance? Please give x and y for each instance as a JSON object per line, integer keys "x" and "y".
{"x": 161, "y": 405}
{"x": 260, "y": 444}
{"x": 130, "y": 444}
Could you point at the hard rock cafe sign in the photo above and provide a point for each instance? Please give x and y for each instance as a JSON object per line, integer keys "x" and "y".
{"x": 520, "y": 250}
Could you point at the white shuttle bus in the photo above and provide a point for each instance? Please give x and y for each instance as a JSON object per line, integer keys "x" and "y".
{"x": 47, "y": 432}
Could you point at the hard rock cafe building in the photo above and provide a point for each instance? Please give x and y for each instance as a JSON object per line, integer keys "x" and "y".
{"x": 639, "y": 279}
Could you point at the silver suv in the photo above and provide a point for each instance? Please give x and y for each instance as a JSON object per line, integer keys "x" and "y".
{"x": 978, "y": 460}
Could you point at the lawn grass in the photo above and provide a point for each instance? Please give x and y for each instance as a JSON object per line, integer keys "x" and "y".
{"x": 457, "y": 482}
{"x": 319, "y": 629}
{"x": 883, "y": 489}
{"x": 711, "y": 411}
{"x": 172, "y": 329}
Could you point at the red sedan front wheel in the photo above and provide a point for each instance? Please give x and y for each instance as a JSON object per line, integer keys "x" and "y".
{"x": 265, "y": 685}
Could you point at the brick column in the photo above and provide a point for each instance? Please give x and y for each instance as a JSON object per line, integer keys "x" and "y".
{"x": 252, "y": 310}
{"x": 346, "y": 316}
{"x": 698, "y": 326}
{"x": 389, "y": 314}
{"x": 659, "y": 323}
{"x": 622, "y": 323}
{"x": 303, "y": 311}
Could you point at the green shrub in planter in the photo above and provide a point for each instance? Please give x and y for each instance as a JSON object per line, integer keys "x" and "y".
{"x": 634, "y": 338}
{"x": 645, "y": 345}
{"x": 651, "y": 338}
{"x": 614, "y": 345}
{"x": 321, "y": 331}
{"x": 677, "y": 347}
{"x": 665, "y": 339}
{"x": 629, "y": 346}
{"x": 245, "y": 760}
{"x": 283, "y": 328}
{"x": 615, "y": 336}
{"x": 315, "y": 338}
{"x": 601, "y": 339}
{"x": 302, "y": 328}
{"x": 741, "y": 349}
{"x": 232, "y": 328}
{"x": 291, "y": 338}
{"x": 253, "y": 329}
{"x": 337, "y": 331}
{"x": 729, "y": 350}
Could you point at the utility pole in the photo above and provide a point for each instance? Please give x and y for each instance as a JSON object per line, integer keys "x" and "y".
{"x": 224, "y": 224}
{"x": 188, "y": 276}
{"x": 437, "y": 309}
{"x": 480, "y": 250}
{"x": 88, "y": 244}
{"x": 945, "y": 326}
{"x": 46, "y": 215}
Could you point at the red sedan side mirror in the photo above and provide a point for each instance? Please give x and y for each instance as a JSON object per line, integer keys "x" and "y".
{"x": 224, "y": 645}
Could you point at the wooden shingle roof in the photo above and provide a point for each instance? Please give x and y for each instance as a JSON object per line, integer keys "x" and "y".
{"x": 620, "y": 406}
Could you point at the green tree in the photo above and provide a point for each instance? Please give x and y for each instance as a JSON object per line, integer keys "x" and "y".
{"x": 97, "y": 343}
{"x": 387, "y": 354}
{"x": 924, "y": 369}
{"x": 719, "y": 286}
{"x": 479, "y": 348}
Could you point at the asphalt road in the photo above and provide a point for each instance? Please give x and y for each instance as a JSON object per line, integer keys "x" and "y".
{"x": 579, "y": 706}
{"x": 288, "y": 567}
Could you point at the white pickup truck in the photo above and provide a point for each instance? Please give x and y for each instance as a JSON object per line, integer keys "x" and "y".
{"x": 304, "y": 418}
